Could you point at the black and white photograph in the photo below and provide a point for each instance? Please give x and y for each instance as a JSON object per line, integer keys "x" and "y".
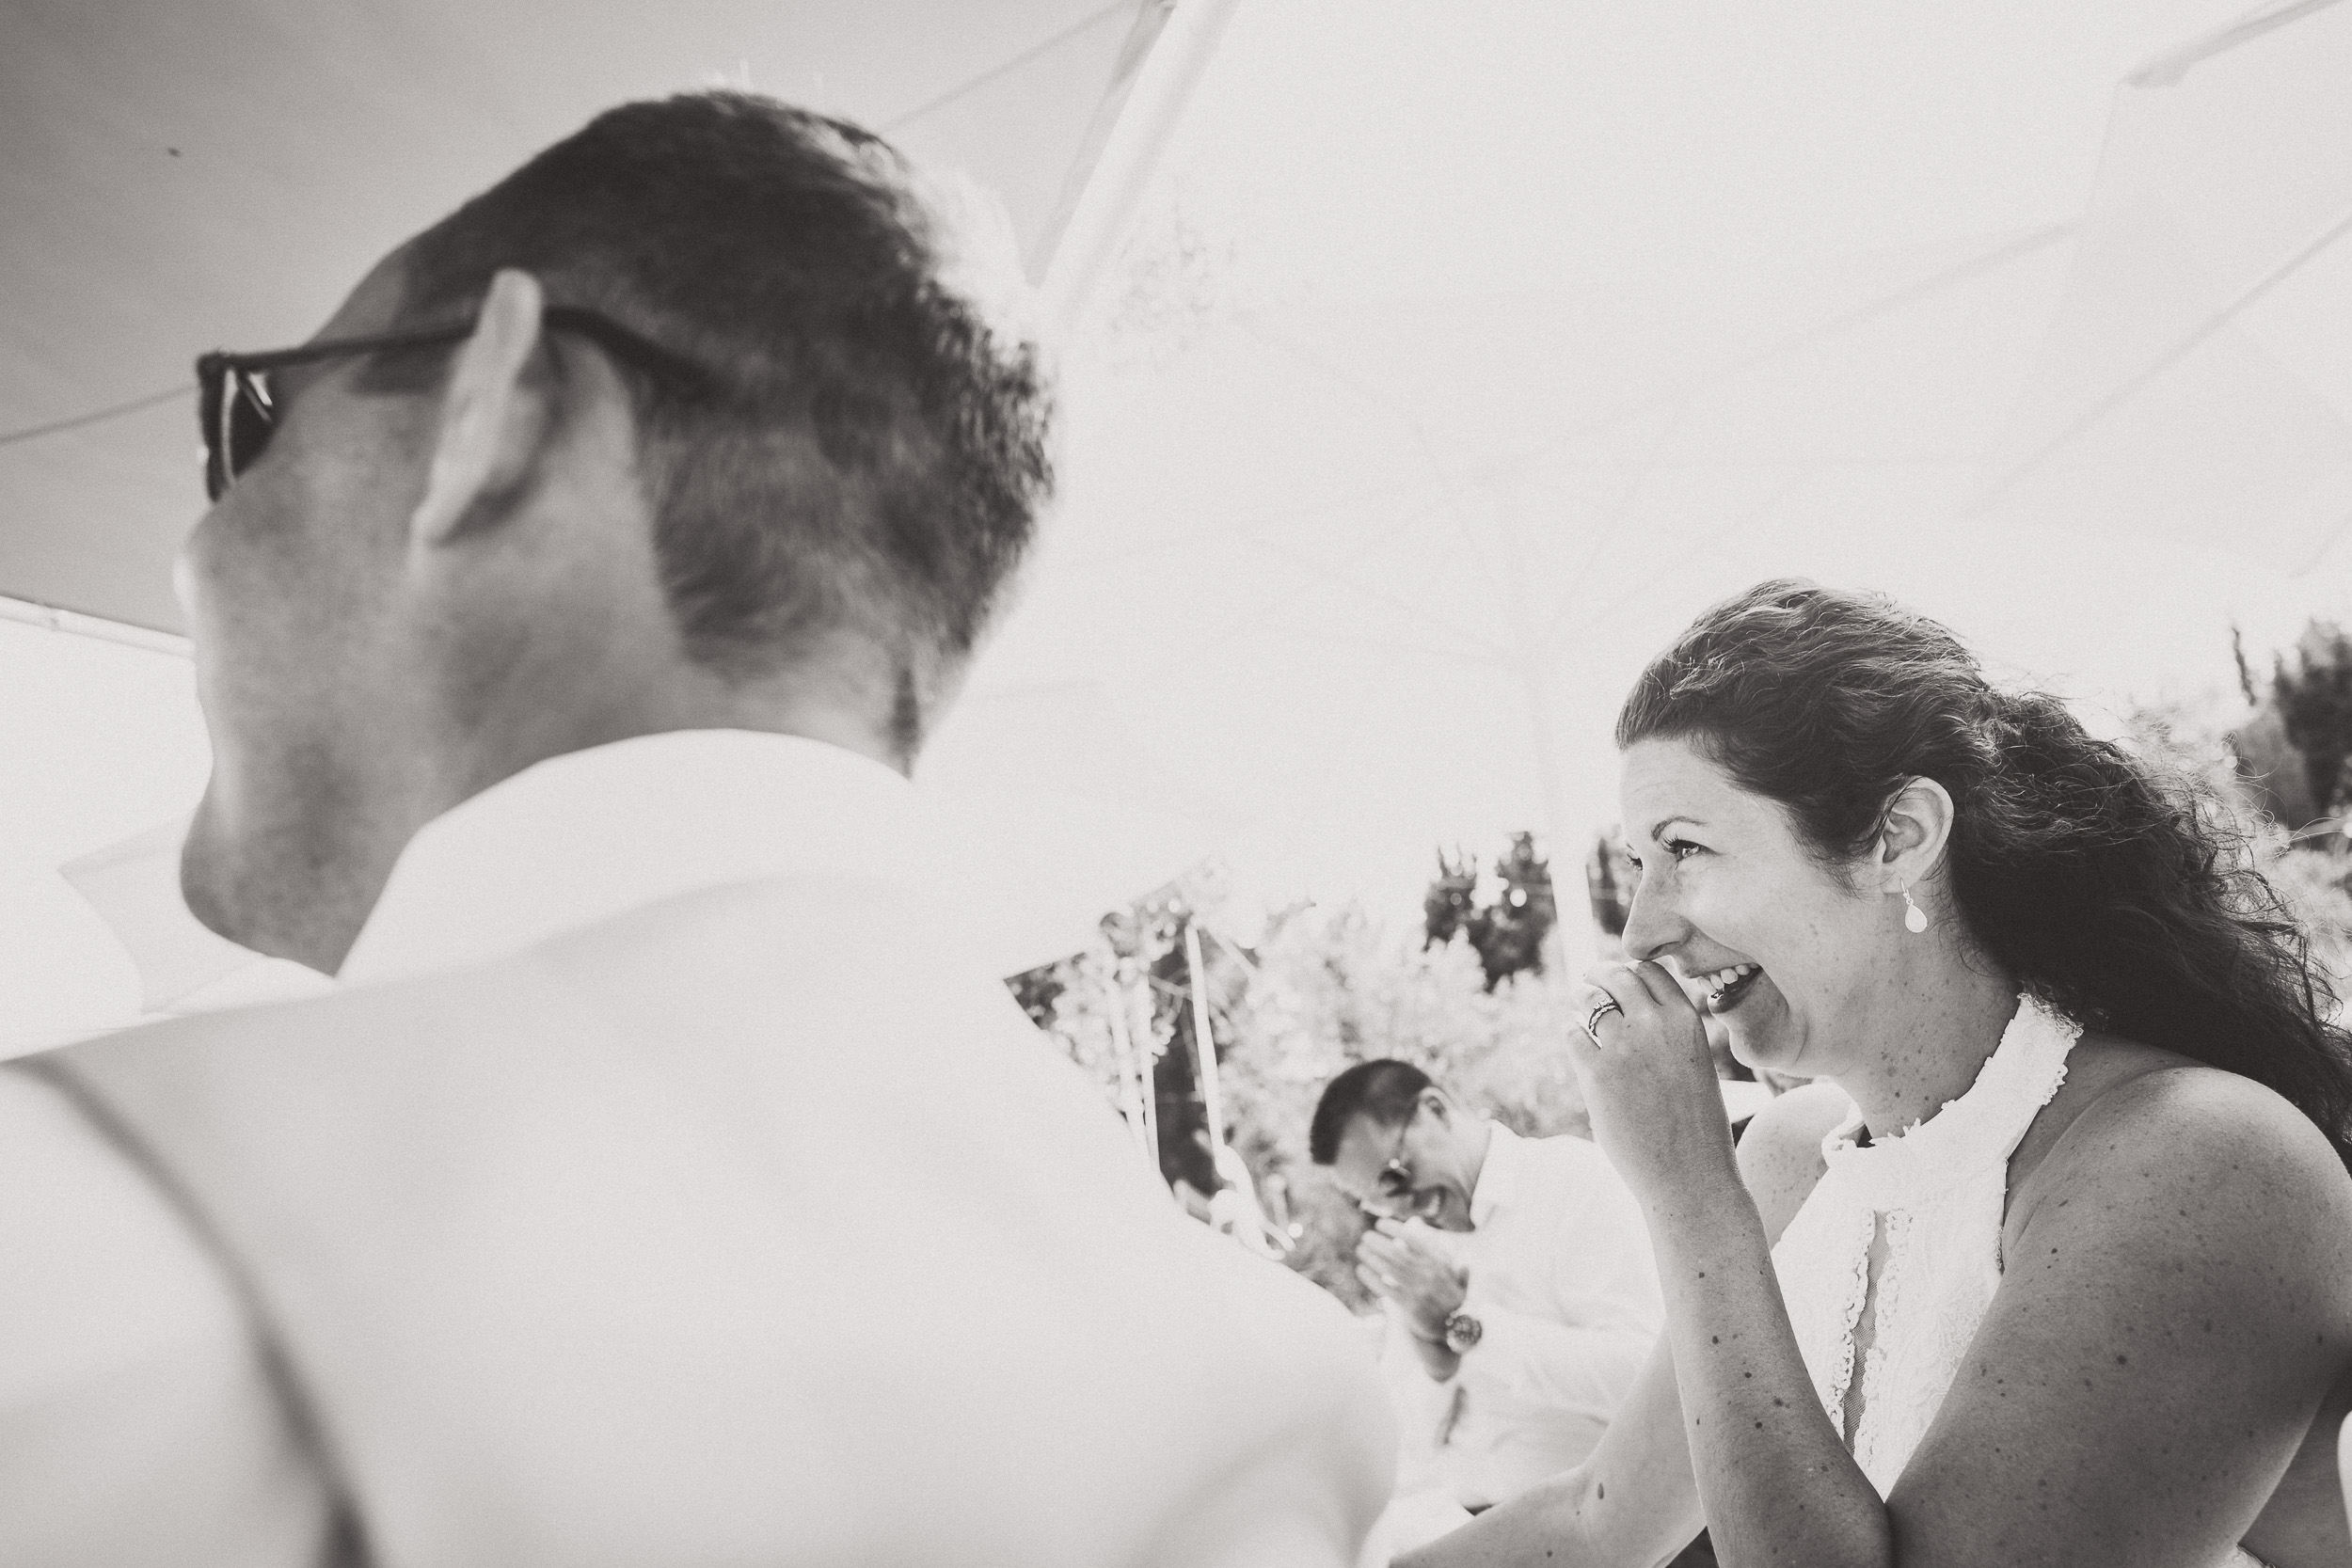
{"x": 1175, "y": 784}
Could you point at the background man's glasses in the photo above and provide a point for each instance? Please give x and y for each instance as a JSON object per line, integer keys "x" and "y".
{"x": 238, "y": 412}
{"x": 1394, "y": 1183}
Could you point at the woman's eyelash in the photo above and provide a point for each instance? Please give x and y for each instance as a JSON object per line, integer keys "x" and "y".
{"x": 1675, "y": 846}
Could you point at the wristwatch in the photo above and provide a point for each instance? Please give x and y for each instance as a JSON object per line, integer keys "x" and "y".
{"x": 1462, "y": 1331}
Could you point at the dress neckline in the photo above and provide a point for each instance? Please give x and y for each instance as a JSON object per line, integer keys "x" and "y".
{"x": 1982, "y": 1127}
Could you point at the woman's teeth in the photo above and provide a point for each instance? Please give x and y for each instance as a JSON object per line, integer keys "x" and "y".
{"x": 1724, "y": 979}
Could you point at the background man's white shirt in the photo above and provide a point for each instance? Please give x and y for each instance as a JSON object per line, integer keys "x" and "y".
{"x": 1562, "y": 1281}
{"x": 663, "y": 1187}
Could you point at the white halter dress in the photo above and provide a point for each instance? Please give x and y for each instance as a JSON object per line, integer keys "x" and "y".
{"x": 1939, "y": 1189}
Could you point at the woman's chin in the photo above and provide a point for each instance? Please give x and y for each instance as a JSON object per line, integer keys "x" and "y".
{"x": 1758, "y": 1035}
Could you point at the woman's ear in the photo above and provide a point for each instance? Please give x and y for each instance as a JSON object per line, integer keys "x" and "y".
{"x": 1914, "y": 835}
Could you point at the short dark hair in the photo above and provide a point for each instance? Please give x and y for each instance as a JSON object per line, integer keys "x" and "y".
{"x": 869, "y": 454}
{"x": 1384, "y": 1092}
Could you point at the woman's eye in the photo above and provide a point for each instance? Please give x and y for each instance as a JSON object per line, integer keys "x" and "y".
{"x": 1682, "y": 848}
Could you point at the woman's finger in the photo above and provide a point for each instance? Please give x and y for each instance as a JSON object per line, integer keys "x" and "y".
{"x": 1587, "y": 998}
{"x": 1611, "y": 993}
{"x": 1658, "y": 985}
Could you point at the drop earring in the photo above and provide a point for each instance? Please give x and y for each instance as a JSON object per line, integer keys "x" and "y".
{"x": 1914, "y": 918}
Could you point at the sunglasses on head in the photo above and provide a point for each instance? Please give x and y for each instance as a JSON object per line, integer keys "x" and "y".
{"x": 238, "y": 409}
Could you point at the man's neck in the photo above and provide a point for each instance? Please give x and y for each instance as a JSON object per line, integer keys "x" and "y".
{"x": 315, "y": 921}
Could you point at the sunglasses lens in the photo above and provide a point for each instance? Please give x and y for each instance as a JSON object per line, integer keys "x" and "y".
{"x": 237, "y": 418}
{"x": 251, "y": 417}
{"x": 209, "y": 377}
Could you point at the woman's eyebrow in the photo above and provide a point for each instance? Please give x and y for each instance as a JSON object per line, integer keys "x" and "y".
{"x": 1665, "y": 822}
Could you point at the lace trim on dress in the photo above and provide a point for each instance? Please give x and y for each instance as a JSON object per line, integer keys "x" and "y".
{"x": 1876, "y": 1361}
{"x": 1938, "y": 1188}
{"x": 1857, "y": 1297}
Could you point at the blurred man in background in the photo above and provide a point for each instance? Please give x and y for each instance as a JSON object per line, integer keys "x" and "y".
{"x": 1516, "y": 1273}
{"x": 665, "y": 1184}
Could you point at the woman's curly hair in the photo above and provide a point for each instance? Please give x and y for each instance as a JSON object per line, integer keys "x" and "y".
{"x": 2118, "y": 891}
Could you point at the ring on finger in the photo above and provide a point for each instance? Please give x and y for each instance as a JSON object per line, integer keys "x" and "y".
{"x": 1592, "y": 1019}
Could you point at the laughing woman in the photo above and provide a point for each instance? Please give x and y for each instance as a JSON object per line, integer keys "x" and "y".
{"x": 2053, "y": 1261}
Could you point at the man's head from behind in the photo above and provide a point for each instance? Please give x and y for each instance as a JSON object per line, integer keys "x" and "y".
{"x": 731, "y": 441}
{"x": 1398, "y": 1144}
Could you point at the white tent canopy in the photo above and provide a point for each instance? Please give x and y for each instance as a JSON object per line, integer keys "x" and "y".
{"x": 1560, "y": 323}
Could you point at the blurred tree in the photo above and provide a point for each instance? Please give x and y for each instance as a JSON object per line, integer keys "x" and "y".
{"x": 2315, "y": 706}
{"x": 1040, "y": 990}
{"x": 1452, "y": 902}
{"x": 1609, "y": 883}
{"x": 2272, "y": 771}
{"x": 2310, "y": 872}
{"x": 1521, "y": 917}
{"x": 1505, "y": 930}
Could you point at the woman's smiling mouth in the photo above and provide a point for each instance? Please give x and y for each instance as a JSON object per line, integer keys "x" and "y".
{"x": 1727, "y": 986}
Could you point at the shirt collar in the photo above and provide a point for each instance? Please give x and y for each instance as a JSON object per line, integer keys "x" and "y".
{"x": 591, "y": 834}
{"x": 1498, "y": 1177}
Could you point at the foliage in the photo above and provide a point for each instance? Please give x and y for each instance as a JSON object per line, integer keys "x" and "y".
{"x": 1505, "y": 929}
{"x": 1608, "y": 881}
{"x": 1169, "y": 286}
{"x": 2312, "y": 873}
{"x": 2272, "y": 771}
{"x": 1318, "y": 989}
{"x": 1122, "y": 1010}
{"x": 2314, "y": 702}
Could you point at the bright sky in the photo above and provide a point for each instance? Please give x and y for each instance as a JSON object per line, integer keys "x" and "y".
{"x": 1365, "y": 512}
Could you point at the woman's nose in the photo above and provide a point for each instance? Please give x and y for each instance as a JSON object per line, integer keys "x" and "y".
{"x": 1653, "y": 926}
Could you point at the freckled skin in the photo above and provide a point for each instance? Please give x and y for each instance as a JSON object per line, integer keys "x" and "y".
{"x": 2176, "y": 1305}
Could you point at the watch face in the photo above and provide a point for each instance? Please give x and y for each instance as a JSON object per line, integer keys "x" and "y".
{"x": 1462, "y": 1331}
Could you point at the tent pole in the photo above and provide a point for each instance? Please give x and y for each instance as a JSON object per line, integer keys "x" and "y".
{"x": 1569, "y": 946}
{"x": 74, "y": 624}
{"x": 1203, "y": 1042}
{"x": 1143, "y": 1066}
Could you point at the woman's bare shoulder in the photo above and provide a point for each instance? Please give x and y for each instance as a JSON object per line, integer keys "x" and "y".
{"x": 2139, "y": 1129}
{"x": 1780, "y": 1154}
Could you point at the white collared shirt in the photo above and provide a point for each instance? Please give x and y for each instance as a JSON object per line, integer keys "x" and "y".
{"x": 588, "y": 835}
{"x": 665, "y": 1185}
{"x": 1563, "y": 1284}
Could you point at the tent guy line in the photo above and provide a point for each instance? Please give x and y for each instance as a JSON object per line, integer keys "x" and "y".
{"x": 115, "y": 411}
{"x": 2172, "y": 355}
{"x": 1092, "y": 19}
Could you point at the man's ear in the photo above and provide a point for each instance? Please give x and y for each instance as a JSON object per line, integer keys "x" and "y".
{"x": 1912, "y": 839}
{"x": 493, "y": 420}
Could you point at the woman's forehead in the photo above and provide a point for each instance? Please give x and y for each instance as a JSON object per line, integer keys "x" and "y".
{"x": 1666, "y": 779}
